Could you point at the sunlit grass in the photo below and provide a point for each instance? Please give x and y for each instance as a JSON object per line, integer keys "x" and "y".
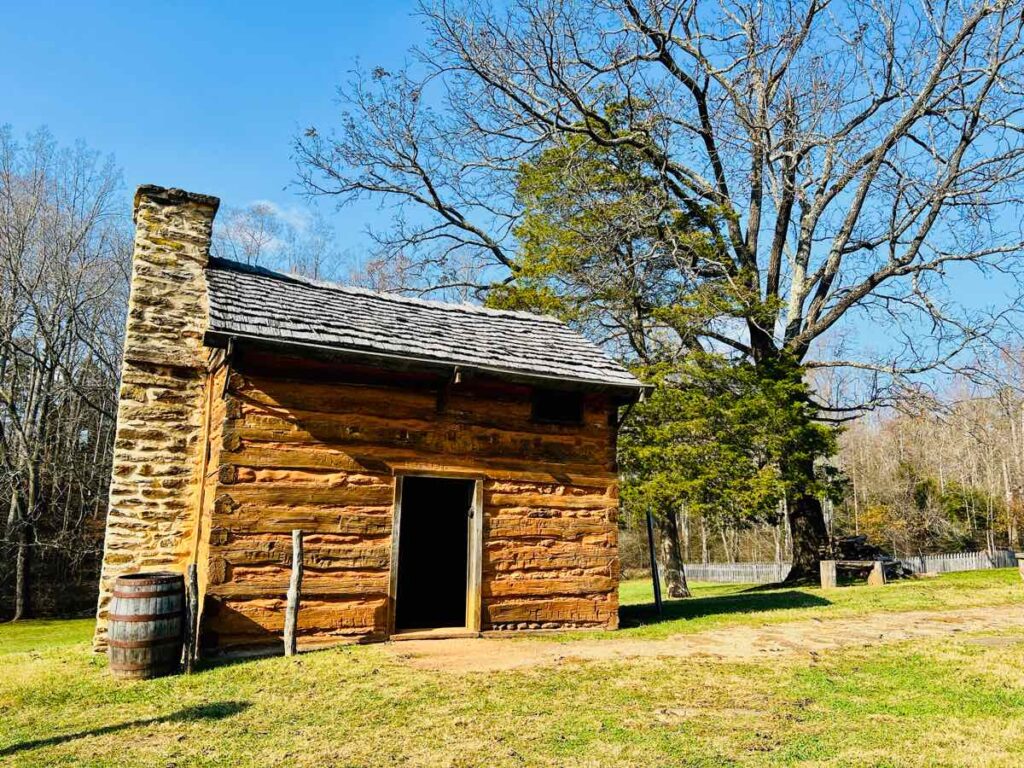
{"x": 37, "y": 634}
{"x": 724, "y": 605}
{"x": 943, "y": 701}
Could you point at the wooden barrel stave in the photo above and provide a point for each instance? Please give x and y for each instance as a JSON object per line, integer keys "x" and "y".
{"x": 144, "y": 634}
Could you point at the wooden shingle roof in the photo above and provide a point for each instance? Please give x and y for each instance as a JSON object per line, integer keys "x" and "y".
{"x": 255, "y": 303}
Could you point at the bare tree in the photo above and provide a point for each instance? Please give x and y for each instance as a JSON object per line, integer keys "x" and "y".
{"x": 263, "y": 234}
{"x": 852, "y": 159}
{"x": 249, "y": 235}
{"x": 944, "y": 476}
{"x": 63, "y": 284}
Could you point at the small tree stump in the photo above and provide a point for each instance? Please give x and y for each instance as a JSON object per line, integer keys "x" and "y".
{"x": 829, "y": 578}
{"x": 877, "y": 576}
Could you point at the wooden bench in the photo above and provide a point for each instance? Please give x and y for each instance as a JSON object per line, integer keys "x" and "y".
{"x": 830, "y": 571}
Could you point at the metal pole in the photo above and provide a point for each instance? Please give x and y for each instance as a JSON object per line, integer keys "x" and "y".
{"x": 654, "y": 562}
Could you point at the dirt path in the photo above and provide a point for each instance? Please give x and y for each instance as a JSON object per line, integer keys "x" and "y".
{"x": 732, "y": 643}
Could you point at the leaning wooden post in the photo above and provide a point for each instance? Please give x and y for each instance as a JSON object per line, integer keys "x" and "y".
{"x": 191, "y": 645}
{"x": 291, "y": 616}
{"x": 654, "y": 562}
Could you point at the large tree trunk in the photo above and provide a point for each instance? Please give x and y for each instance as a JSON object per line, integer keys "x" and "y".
{"x": 22, "y": 573}
{"x": 807, "y": 530}
{"x": 810, "y": 537}
{"x": 671, "y": 556}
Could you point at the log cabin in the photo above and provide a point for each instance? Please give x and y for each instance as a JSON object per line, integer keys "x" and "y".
{"x": 452, "y": 467}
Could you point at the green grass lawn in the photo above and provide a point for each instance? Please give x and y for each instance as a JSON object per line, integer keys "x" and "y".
{"x": 957, "y": 700}
{"x": 715, "y": 606}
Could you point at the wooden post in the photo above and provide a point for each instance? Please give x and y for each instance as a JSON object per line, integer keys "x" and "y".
{"x": 877, "y": 576}
{"x": 291, "y": 616}
{"x": 654, "y": 562}
{"x": 828, "y": 574}
{"x": 190, "y": 651}
{"x": 1020, "y": 565}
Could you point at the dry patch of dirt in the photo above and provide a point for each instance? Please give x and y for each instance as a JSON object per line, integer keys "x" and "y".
{"x": 740, "y": 643}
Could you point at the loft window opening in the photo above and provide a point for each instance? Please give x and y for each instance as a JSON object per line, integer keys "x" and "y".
{"x": 554, "y": 406}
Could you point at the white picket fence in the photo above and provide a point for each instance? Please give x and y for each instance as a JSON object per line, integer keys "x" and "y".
{"x": 737, "y": 573}
{"x": 768, "y": 573}
{"x": 961, "y": 561}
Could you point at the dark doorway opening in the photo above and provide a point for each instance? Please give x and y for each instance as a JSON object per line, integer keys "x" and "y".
{"x": 433, "y": 550}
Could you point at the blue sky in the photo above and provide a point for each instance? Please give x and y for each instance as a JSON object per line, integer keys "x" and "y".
{"x": 203, "y": 96}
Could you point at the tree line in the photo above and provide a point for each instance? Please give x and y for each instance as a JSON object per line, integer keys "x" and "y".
{"x": 939, "y": 479}
{"x": 64, "y": 255}
{"x": 943, "y": 473}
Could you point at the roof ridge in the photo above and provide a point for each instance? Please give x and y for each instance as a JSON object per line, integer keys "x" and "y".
{"x": 237, "y": 266}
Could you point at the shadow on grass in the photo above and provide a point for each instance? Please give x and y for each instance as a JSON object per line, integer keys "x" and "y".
{"x": 696, "y": 607}
{"x": 215, "y": 711}
{"x": 815, "y": 583}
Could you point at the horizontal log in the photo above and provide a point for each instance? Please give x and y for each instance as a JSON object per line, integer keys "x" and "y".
{"x": 559, "y": 586}
{"x": 455, "y": 440}
{"x": 549, "y": 501}
{"x": 462, "y": 404}
{"x": 255, "y": 455}
{"x": 389, "y": 459}
{"x": 375, "y": 553}
{"x": 566, "y": 609}
{"x": 235, "y": 618}
{"x": 283, "y": 396}
{"x": 501, "y": 557}
{"x": 274, "y": 541}
{"x": 282, "y": 495}
{"x": 274, "y": 586}
{"x": 606, "y": 487}
{"x": 322, "y": 477}
{"x": 490, "y": 415}
{"x": 389, "y": 416}
{"x": 563, "y": 528}
{"x": 354, "y": 521}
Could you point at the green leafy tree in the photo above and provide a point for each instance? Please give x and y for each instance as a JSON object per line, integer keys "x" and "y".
{"x": 714, "y": 437}
{"x": 603, "y": 247}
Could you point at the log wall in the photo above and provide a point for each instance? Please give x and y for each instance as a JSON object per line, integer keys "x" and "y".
{"x": 316, "y": 446}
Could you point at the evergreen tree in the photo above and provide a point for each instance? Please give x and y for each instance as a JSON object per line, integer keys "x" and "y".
{"x": 713, "y": 438}
{"x": 604, "y": 248}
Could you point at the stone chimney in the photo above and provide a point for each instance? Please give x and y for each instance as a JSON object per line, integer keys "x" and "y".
{"x": 152, "y": 514}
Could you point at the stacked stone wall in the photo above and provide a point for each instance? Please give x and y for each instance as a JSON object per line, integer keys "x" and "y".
{"x": 158, "y": 445}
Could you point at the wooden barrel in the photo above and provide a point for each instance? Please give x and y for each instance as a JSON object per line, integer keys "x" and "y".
{"x": 144, "y": 634}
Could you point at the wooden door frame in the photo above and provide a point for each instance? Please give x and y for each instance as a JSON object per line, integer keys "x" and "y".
{"x": 474, "y": 542}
